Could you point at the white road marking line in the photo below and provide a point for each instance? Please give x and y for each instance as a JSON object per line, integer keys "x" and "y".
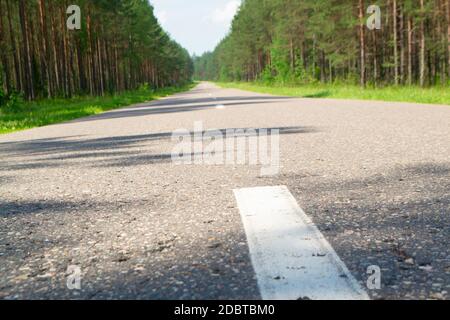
{"x": 291, "y": 258}
{"x": 220, "y": 107}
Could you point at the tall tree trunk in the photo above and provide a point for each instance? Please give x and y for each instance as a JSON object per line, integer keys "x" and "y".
{"x": 29, "y": 79}
{"x": 422, "y": 44}
{"x": 100, "y": 67}
{"x": 44, "y": 47}
{"x": 362, "y": 44}
{"x": 410, "y": 49}
{"x": 4, "y": 57}
{"x": 56, "y": 69}
{"x": 116, "y": 66}
{"x": 395, "y": 32}
{"x": 402, "y": 46}
{"x": 64, "y": 53}
{"x": 375, "y": 58}
{"x": 15, "y": 53}
{"x": 90, "y": 54}
{"x": 81, "y": 68}
{"x": 106, "y": 65}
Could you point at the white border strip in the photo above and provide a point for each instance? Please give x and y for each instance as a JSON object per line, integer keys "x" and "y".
{"x": 291, "y": 258}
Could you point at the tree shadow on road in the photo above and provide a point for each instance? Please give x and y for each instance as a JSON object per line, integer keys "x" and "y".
{"x": 181, "y": 105}
{"x": 127, "y": 150}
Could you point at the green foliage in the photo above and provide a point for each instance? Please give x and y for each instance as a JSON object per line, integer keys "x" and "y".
{"x": 280, "y": 62}
{"x": 319, "y": 41}
{"x": 9, "y": 102}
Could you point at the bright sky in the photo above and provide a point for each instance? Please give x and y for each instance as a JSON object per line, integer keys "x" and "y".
{"x": 198, "y": 25}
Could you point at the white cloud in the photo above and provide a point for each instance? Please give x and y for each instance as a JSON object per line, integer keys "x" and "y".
{"x": 224, "y": 15}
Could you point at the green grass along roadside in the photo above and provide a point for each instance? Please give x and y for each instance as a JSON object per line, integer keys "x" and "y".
{"x": 433, "y": 95}
{"x": 27, "y": 115}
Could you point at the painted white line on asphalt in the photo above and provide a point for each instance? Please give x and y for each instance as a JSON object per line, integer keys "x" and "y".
{"x": 220, "y": 107}
{"x": 291, "y": 257}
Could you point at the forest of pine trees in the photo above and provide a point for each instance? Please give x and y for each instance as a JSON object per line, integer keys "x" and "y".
{"x": 305, "y": 41}
{"x": 120, "y": 46}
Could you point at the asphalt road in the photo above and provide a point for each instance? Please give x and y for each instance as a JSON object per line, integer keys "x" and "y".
{"x": 103, "y": 194}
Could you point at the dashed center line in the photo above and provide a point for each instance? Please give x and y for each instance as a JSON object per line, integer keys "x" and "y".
{"x": 291, "y": 258}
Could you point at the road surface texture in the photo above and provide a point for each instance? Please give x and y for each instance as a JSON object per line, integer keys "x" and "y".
{"x": 103, "y": 194}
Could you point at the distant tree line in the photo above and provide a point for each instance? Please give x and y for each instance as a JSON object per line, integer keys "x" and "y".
{"x": 294, "y": 41}
{"x": 120, "y": 46}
